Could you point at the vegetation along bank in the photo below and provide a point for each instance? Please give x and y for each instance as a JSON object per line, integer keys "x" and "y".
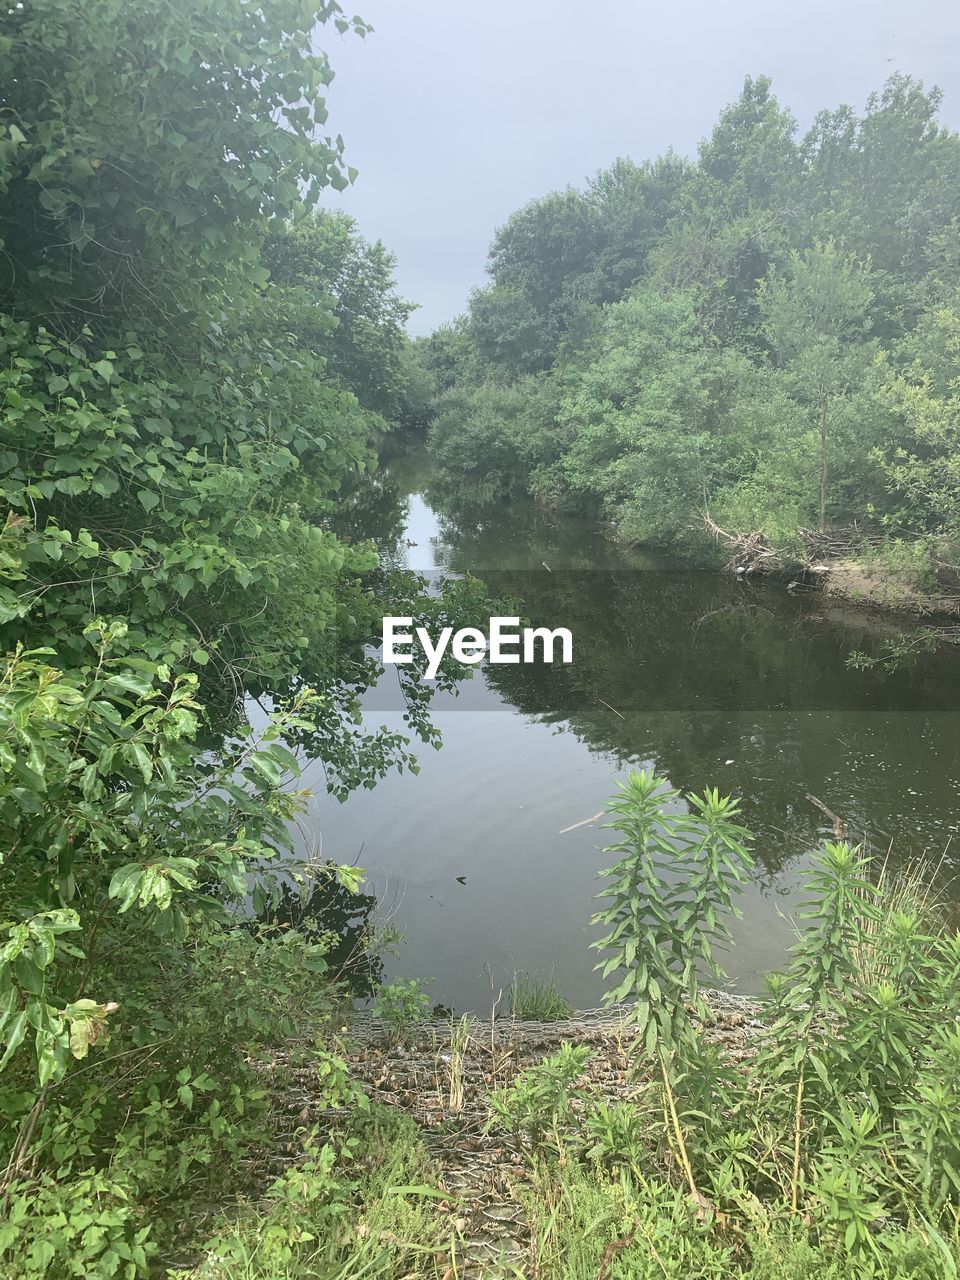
{"x": 198, "y": 367}
{"x": 749, "y": 358}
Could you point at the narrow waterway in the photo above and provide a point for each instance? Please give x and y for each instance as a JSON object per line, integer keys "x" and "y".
{"x": 485, "y": 861}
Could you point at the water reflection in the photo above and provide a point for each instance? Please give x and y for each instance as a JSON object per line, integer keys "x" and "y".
{"x": 712, "y": 682}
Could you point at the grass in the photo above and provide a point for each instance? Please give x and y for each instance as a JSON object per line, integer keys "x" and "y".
{"x": 384, "y": 1227}
{"x": 584, "y": 1224}
{"x": 913, "y": 892}
{"x": 459, "y": 1043}
{"x": 534, "y": 999}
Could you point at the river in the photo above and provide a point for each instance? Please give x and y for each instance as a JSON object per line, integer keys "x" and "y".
{"x": 485, "y": 861}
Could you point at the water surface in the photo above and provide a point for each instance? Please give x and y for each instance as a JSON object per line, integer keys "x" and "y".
{"x": 744, "y": 686}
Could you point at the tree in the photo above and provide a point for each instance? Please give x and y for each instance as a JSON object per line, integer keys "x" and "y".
{"x": 171, "y": 450}
{"x": 337, "y": 293}
{"x": 889, "y": 179}
{"x": 634, "y": 205}
{"x": 637, "y": 415}
{"x": 750, "y": 161}
{"x": 476, "y": 437}
{"x": 544, "y": 249}
{"x": 925, "y": 467}
{"x": 144, "y": 144}
{"x": 707, "y": 335}
{"x": 735, "y": 213}
{"x": 815, "y": 316}
{"x": 510, "y": 333}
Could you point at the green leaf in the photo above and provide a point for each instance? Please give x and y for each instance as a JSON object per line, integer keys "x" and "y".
{"x": 16, "y": 1030}
{"x": 142, "y": 758}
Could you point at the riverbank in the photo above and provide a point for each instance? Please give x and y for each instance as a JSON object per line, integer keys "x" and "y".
{"x": 689, "y": 1133}
{"x": 893, "y": 575}
{"x": 890, "y": 590}
{"x": 444, "y": 1074}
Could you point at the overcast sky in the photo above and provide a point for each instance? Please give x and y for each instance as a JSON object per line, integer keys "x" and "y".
{"x": 456, "y": 112}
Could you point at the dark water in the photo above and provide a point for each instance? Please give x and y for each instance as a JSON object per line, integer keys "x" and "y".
{"x": 710, "y": 681}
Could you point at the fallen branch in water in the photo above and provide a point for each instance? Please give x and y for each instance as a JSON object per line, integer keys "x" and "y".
{"x": 839, "y": 826}
{"x": 584, "y": 823}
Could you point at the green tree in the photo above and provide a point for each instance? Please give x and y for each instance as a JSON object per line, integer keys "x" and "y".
{"x": 634, "y": 206}
{"x": 705, "y": 336}
{"x": 477, "y": 437}
{"x": 925, "y": 466}
{"x": 337, "y": 294}
{"x": 888, "y": 179}
{"x": 171, "y": 452}
{"x": 144, "y": 144}
{"x": 815, "y": 316}
{"x": 509, "y": 333}
{"x": 545, "y": 249}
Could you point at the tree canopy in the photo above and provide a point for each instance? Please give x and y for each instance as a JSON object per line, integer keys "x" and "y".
{"x": 743, "y": 340}
{"x": 195, "y": 363}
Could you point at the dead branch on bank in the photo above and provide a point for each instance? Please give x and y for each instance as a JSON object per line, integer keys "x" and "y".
{"x": 749, "y": 552}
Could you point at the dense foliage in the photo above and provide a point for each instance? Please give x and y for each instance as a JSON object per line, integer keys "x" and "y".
{"x": 195, "y": 364}
{"x": 764, "y": 338}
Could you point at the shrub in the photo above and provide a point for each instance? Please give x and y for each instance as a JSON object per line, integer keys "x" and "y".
{"x": 401, "y": 1005}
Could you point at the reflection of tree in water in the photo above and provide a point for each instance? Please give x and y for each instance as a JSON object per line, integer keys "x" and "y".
{"x": 742, "y": 686}
{"x": 477, "y": 535}
{"x": 333, "y": 913}
{"x": 375, "y": 510}
{"x": 692, "y": 669}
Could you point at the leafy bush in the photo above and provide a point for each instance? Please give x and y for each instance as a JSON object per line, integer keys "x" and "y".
{"x": 401, "y": 1005}
{"x": 538, "y": 1100}
{"x": 846, "y": 1110}
{"x": 371, "y": 1217}
{"x": 669, "y": 893}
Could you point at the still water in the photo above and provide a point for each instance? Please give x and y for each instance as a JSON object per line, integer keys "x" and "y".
{"x": 485, "y": 861}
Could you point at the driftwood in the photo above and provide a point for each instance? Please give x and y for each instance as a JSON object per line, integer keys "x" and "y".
{"x": 839, "y": 543}
{"x": 839, "y": 826}
{"x": 749, "y": 552}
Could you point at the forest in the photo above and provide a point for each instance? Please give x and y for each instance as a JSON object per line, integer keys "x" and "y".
{"x": 205, "y": 377}
{"x": 760, "y": 343}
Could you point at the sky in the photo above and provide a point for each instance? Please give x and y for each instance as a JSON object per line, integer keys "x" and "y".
{"x": 457, "y": 112}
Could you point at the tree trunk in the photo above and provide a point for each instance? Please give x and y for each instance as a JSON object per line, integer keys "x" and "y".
{"x": 823, "y": 464}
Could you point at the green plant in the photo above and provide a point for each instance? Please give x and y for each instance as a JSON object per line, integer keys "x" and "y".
{"x": 587, "y": 1223}
{"x": 84, "y": 1226}
{"x": 402, "y": 1005}
{"x": 669, "y": 893}
{"x": 928, "y": 1120}
{"x": 537, "y": 999}
{"x": 537, "y": 1101}
{"x": 615, "y": 1134}
{"x": 370, "y": 1217}
{"x": 109, "y": 810}
{"x": 453, "y": 1062}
